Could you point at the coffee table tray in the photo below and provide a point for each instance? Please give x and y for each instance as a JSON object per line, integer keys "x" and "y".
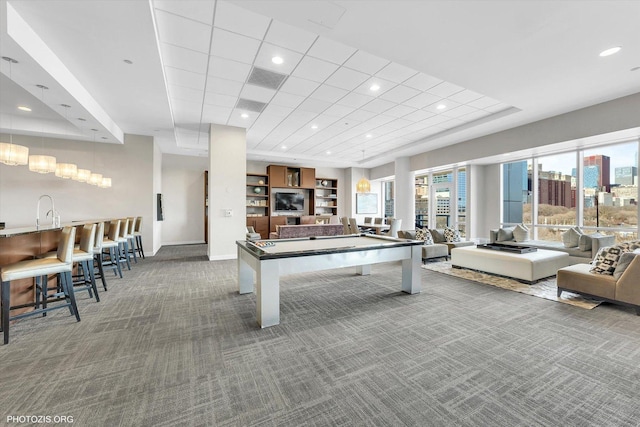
{"x": 507, "y": 248}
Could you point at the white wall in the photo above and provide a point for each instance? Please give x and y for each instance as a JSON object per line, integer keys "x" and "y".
{"x": 227, "y": 189}
{"x": 129, "y": 165}
{"x": 183, "y": 191}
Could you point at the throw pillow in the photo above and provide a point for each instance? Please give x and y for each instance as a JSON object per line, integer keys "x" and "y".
{"x": 438, "y": 235}
{"x": 521, "y": 233}
{"x": 606, "y": 260}
{"x": 584, "y": 242}
{"x": 451, "y": 235}
{"x": 420, "y": 233}
{"x": 624, "y": 262}
{"x": 428, "y": 238}
{"x": 505, "y": 234}
{"x": 410, "y": 234}
{"x": 571, "y": 237}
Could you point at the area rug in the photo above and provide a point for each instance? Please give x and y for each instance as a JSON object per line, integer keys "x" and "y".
{"x": 545, "y": 288}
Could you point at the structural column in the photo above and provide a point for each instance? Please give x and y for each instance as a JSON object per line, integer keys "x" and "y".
{"x": 405, "y": 208}
{"x": 227, "y": 189}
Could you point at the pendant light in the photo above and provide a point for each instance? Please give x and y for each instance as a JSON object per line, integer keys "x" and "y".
{"x": 41, "y": 163}
{"x": 10, "y": 153}
{"x": 363, "y": 186}
{"x": 83, "y": 175}
{"x": 66, "y": 170}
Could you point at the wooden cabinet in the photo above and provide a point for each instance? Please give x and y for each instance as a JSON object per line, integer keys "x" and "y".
{"x": 277, "y": 220}
{"x": 260, "y": 224}
{"x": 286, "y": 176}
{"x": 326, "y": 196}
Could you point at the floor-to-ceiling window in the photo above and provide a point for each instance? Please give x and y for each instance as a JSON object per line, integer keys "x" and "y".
{"x": 595, "y": 188}
{"x": 389, "y": 199}
{"x": 441, "y": 199}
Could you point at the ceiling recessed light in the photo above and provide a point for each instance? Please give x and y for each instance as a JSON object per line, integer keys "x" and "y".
{"x": 23, "y": 108}
{"x": 277, "y": 60}
{"x": 441, "y": 107}
{"x": 244, "y": 115}
{"x": 374, "y": 88}
{"x": 369, "y": 135}
{"x": 328, "y": 152}
{"x": 314, "y": 126}
{"x": 610, "y": 51}
{"x": 284, "y": 147}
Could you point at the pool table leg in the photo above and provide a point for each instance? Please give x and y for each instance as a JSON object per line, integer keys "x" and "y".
{"x": 411, "y": 279}
{"x": 268, "y": 293}
{"x": 363, "y": 270}
{"x": 245, "y": 275}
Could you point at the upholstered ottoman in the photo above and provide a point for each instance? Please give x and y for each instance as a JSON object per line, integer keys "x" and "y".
{"x": 527, "y": 267}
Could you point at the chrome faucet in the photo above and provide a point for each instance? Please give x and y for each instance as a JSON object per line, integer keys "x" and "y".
{"x": 52, "y": 211}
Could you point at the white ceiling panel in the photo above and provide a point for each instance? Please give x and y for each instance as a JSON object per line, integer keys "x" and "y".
{"x": 458, "y": 111}
{"x": 268, "y": 51}
{"x": 497, "y": 107}
{"x": 338, "y": 110}
{"x": 379, "y": 106}
{"x": 290, "y": 37}
{"x": 396, "y": 72}
{"x": 477, "y": 114}
{"x": 435, "y": 120}
{"x": 220, "y": 100}
{"x": 176, "y": 76}
{"x": 433, "y": 108}
{"x": 185, "y": 59}
{"x": 422, "y": 82}
{"x": 445, "y": 89}
{"x": 257, "y": 93}
{"x": 483, "y": 102}
{"x": 185, "y": 93}
{"x": 331, "y": 51}
{"x": 314, "y": 105}
{"x": 216, "y": 114}
{"x": 417, "y": 115}
{"x": 238, "y": 20}
{"x": 196, "y": 10}
{"x": 314, "y": 69}
{"x": 366, "y": 62}
{"x": 276, "y": 111}
{"x": 242, "y": 122}
{"x": 234, "y": 46}
{"x": 228, "y": 69}
{"x": 287, "y": 99}
{"x": 384, "y": 86}
{"x": 355, "y": 100}
{"x": 399, "y": 123}
{"x": 423, "y": 100}
{"x": 400, "y": 111}
{"x": 399, "y": 94}
{"x": 346, "y": 78}
{"x": 379, "y": 120}
{"x": 183, "y": 32}
{"x": 299, "y": 86}
{"x": 465, "y": 96}
{"x": 360, "y": 115}
{"x": 329, "y": 93}
{"x": 223, "y": 86}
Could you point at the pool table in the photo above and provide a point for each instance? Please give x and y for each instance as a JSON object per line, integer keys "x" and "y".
{"x": 271, "y": 259}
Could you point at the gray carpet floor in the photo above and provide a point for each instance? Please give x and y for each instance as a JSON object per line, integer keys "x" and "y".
{"x": 174, "y": 344}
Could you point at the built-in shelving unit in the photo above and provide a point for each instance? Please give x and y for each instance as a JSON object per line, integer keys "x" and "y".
{"x": 326, "y": 196}
{"x": 257, "y": 196}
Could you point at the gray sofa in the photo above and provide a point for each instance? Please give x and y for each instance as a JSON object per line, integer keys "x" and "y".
{"x": 438, "y": 237}
{"x": 577, "y": 254}
{"x": 620, "y": 288}
{"x": 429, "y": 252}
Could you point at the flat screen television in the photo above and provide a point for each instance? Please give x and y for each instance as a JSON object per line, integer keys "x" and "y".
{"x": 289, "y": 202}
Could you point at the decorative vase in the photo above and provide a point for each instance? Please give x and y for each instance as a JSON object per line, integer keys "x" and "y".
{"x": 261, "y": 182}
{"x": 257, "y": 190}
{"x": 324, "y": 183}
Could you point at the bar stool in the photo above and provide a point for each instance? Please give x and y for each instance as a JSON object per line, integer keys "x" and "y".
{"x": 40, "y": 269}
{"x": 83, "y": 255}
{"x": 110, "y": 248}
{"x": 123, "y": 243}
{"x": 345, "y": 225}
{"x": 138, "y": 234}
{"x": 131, "y": 239}
{"x": 353, "y": 225}
{"x": 97, "y": 254}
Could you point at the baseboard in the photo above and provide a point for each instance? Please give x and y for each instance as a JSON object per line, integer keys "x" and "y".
{"x": 223, "y": 257}
{"x": 188, "y": 242}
